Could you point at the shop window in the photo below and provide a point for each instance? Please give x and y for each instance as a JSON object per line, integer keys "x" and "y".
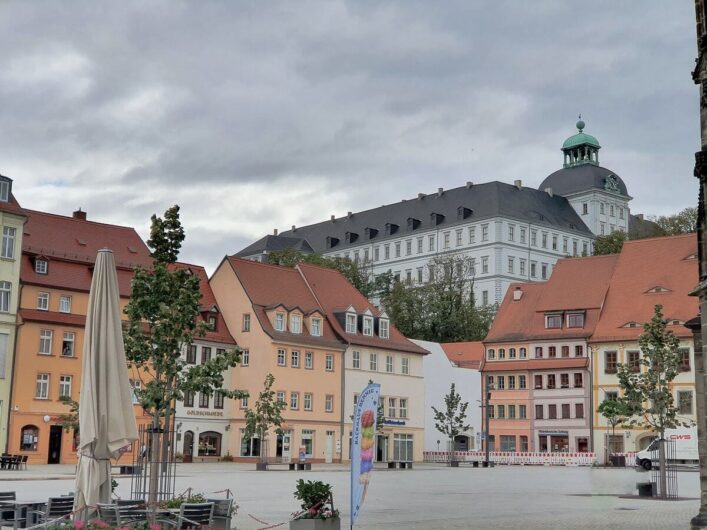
{"x": 210, "y": 444}
{"x": 29, "y": 438}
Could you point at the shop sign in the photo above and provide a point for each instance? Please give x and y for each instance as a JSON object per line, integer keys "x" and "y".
{"x": 393, "y": 422}
{"x": 557, "y": 433}
{"x": 204, "y": 413}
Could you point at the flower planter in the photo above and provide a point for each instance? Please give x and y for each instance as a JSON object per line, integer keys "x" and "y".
{"x": 333, "y": 523}
{"x": 261, "y": 466}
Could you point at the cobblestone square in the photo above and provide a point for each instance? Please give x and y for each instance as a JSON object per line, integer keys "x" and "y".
{"x": 427, "y": 497}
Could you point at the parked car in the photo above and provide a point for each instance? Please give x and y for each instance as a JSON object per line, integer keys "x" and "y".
{"x": 685, "y": 448}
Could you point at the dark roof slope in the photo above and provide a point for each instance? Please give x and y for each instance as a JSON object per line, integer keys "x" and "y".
{"x": 640, "y": 228}
{"x": 569, "y": 180}
{"x": 484, "y": 201}
{"x": 271, "y": 243}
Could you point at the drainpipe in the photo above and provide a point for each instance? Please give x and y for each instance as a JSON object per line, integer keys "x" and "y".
{"x": 14, "y": 367}
{"x": 342, "y": 406}
{"x": 591, "y": 398}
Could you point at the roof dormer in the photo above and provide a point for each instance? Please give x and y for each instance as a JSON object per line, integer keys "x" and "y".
{"x": 632, "y": 324}
{"x": 350, "y": 237}
{"x": 658, "y": 289}
{"x": 464, "y": 213}
{"x": 384, "y": 326}
{"x": 367, "y": 324}
{"x": 351, "y": 320}
{"x": 370, "y": 233}
{"x": 5, "y": 188}
{"x": 413, "y": 224}
{"x": 436, "y": 218}
{"x": 391, "y": 228}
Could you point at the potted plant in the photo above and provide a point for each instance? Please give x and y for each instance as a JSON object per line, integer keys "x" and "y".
{"x": 317, "y": 502}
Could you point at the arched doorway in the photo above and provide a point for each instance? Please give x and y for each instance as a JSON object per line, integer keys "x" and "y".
{"x": 188, "y": 452}
{"x": 210, "y": 443}
{"x": 461, "y": 443}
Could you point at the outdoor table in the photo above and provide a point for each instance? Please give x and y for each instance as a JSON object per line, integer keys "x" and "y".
{"x": 24, "y": 508}
{"x": 5, "y": 461}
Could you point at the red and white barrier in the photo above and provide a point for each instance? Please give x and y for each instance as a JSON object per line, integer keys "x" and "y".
{"x": 515, "y": 458}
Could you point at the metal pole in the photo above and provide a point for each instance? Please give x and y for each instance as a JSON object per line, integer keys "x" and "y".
{"x": 488, "y": 423}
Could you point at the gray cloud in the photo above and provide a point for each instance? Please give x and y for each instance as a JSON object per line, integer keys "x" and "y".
{"x": 256, "y": 115}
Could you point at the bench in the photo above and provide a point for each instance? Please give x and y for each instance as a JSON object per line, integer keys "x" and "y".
{"x": 292, "y": 466}
{"x": 396, "y": 464}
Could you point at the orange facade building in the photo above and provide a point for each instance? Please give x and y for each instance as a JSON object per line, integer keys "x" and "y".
{"x": 58, "y": 254}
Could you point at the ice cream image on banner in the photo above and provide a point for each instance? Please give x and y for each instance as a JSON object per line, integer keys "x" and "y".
{"x": 368, "y": 433}
{"x": 362, "y": 446}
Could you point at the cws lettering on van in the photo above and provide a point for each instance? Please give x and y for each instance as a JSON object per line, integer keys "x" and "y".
{"x": 681, "y": 437}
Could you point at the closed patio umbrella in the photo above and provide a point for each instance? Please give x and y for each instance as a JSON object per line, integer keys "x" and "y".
{"x": 106, "y": 418}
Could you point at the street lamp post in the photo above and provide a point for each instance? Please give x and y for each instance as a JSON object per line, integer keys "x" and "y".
{"x": 489, "y": 388}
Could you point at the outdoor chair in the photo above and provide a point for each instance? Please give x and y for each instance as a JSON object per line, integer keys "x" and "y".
{"x": 57, "y": 508}
{"x": 23, "y": 462}
{"x": 15, "y": 462}
{"x": 132, "y": 509}
{"x": 192, "y": 516}
{"x": 115, "y": 515}
{"x": 6, "y": 461}
{"x": 7, "y": 517}
{"x": 222, "y": 513}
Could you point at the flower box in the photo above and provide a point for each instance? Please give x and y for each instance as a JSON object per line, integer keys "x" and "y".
{"x": 333, "y": 523}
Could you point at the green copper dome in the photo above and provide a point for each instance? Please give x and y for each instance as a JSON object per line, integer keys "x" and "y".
{"x": 580, "y": 139}
{"x": 581, "y": 148}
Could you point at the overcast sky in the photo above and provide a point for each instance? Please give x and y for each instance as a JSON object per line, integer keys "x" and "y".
{"x": 264, "y": 114}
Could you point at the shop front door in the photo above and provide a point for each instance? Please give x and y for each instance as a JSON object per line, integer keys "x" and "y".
{"x": 381, "y": 448}
{"x": 54, "y": 444}
{"x": 329, "y": 447}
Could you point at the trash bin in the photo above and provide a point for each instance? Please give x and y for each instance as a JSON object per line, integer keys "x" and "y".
{"x": 618, "y": 460}
{"x": 645, "y": 489}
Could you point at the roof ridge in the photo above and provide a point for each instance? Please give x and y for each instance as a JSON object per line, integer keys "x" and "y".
{"x": 260, "y": 263}
{"x": 666, "y": 237}
{"x": 71, "y": 218}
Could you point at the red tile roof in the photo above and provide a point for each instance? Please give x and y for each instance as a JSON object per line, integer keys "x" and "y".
{"x": 268, "y": 286}
{"x": 642, "y": 265}
{"x": 208, "y": 301}
{"x": 575, "y": 284}
{"x": 68, "y": 238}
{"x": 12, "y": 206}
{"x": 67, "y": 319}
{"x": 464, "y": 354}
{"x": 335, "y": 294}
{"x": 535, "y": 364}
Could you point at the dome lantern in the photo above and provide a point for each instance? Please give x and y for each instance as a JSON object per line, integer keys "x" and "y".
{"x": 581, "y": 148}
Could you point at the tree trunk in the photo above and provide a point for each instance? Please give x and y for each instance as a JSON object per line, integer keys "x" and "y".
{"x": 663, "y": 471}
{"x": 153, "y": 450}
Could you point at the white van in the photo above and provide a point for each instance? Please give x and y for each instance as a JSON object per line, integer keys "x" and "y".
{"x": 685, "y": 448}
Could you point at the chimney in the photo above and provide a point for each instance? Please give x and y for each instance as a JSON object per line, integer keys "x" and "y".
{"x": 517, "y": 294}
{"x": 549, "y": 191}
{"x": 469, "y": 184}
{"x": 518, "y": 184}
{"x": 349, "y": 215}
{"x": 640, "y": 216}
{"x": 274, "y": 232}
{"x": 333, "y": 218}
{"x": 420, "y": 195}
{"x": 294, "y": 229}
{"x": 440, "y": 191}
{"x": 79, "y": 214}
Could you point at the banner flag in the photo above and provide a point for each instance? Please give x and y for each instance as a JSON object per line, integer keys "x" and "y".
{"x": 362, "y": 446}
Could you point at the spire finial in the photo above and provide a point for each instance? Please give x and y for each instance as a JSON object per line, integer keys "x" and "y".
{"x": 580, "y": 123}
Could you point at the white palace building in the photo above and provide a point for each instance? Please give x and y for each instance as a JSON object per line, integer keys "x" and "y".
{"x": 510, "y": 232}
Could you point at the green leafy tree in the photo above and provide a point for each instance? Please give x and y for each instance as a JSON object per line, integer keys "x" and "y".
{"x": 451, "y": 421}
{"x": 443, "y": 309}
{"x": 163, "y": 321}
{"x": 357, "y": 272}
{"x": 615, "y": 411}
{"x": 266, "y": 414}
{"x": 70, "y": 420}
{"x": 683, "y": 222}
{"x": 647, "y": 393}
{"x": 610, "y": 244}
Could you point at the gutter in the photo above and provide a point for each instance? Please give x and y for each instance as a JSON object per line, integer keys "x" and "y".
{"x": 14, "y": 367}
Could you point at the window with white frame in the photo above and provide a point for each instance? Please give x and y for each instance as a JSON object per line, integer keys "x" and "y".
{"x": 373, "y": 361}
{"x": 4, "y": 190}
{"x": 521, "y": 263}
{"x": 294, "y": 400}
{"x": 308, "y": 442}
{"x": 296, "y": 323}
{"x": 279, "y": 321}
{"x": 218, "y": 400}
{"x": 368, "y": 326}
{"x": 522, "y": 234}
{"x": 511, "y": 232}
{"x": 392, "y": 407}
{"x": 511, "y": 264}
{"x": 244, "y": 402}
{"x": 398, "y": 246}
{"x": 356, "y": 359}
{"x": 294, "y": 359}
{"x": 329, "y": 362}
{"x": 8, "y": 242}
{"x": 307, "y": 401}
{"x": 246, "y": 322}
{"x": 534, "y": 238}
{"x": 472, "y": 235}
{"x": 135, "y": 386}
{"x": 65, "y": 386}
{"x": 245, "y": 357}
{"x": 484, "y": 264}
{"x": 309, "y": 360}
{"x": 389, "y": 363}
{"x": 405, "y": 366}
{"x": 408, "y": 247}
{"x": 384, "y": 328}
{"x": 350, "y": 323}
{"x": 42, "y": 388}
{"x": 403, "y": 408}
{"x": 329, "y": 403}
{"x": 445, "y": 239}
{"x": 65, "y": 304}
{"x": 45, "y": 341}
{"x": 41, "y": 266}
{"x": 431, "y": 243}
{"x": 575, "y": 320}
{"x": 281, "y": 357}
{"x": 67, "y": 344}
{"x": 458, "y": 238}
{"x": 43, "y": 301}
{"x": 280, "y": 396}
{"x": 316, "y": 327}
{"x": 484, "y": 232}
{"x": 553, "y": 321}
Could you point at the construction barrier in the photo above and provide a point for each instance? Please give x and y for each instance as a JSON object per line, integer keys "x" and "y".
{"x": 514, "y": 458}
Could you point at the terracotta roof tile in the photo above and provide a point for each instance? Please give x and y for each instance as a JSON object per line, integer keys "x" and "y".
{"x": 464, "y": 354}
{"x": 69, "y": 319}
{"x": 336, "y": 294}
{"x": 61, "y": 237}
{"x": 642, "y": 265}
